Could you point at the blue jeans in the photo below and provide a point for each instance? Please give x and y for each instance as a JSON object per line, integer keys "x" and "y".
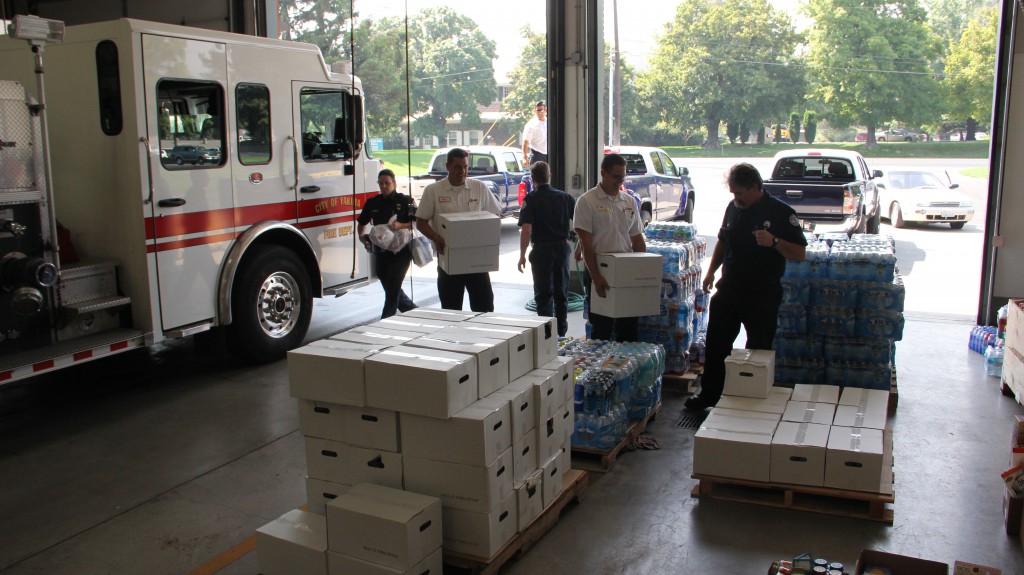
{"x": 549, "y": 263}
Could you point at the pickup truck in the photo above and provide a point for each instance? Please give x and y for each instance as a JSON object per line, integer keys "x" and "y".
{"x": 499, "y": 167}
{"x": 831, "y": 190}
{"x": 664, "y": 190}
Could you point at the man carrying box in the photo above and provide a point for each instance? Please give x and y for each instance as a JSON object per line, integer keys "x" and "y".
{"x": 455, "y": 194}
{"x": 608, "y": 222}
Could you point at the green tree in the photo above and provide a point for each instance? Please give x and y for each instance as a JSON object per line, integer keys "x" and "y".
{"x": 322, "y": 22}
{"x": 949, "y": 17}
{"x": 810, "y": 127}
{"x": 970, "y": 71}
{"x": 528, "y": 77}
{"x": 871, "y": 61}
{"x": 452, "y": 63}
{"x": 380, "y": 64}
{"x": 722, "y": 60}
{"x": 794, "y": 127}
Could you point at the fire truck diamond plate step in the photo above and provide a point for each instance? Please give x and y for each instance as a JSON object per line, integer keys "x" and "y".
{"x": 98, "y": 304}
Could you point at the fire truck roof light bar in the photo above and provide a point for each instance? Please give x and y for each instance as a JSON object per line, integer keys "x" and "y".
{"x": 37, "y": 30}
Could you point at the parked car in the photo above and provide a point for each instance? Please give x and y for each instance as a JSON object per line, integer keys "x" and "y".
{"x": 916, "y": 195}
{"x": 500, "y": 168}
{"x": 896, "y": 135}
{"x": 192, "y": 155}
{"x": 665, "y": 190}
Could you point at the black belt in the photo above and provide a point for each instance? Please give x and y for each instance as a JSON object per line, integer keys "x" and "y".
{"x": 552, "y": 243}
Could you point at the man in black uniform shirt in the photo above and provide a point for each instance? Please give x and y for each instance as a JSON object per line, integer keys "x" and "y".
{"x": 545, "y": 221}
{"x": 758, "y": 235}
{"x": 391, "y": 267}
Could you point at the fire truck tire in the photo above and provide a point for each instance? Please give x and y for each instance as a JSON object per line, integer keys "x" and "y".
{"x": 272, "y": 304}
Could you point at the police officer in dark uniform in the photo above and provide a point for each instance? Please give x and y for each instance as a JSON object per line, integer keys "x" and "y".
{"x": 545, "y": 221}
{"x": 758, "y": 235}
{"x": 391, "y": 267}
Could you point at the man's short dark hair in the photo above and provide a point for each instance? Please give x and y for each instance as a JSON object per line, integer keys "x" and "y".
{"x": 386, "y": 172}
{"x": 612, "y": 160}
{"x": 541, "y": 103}
{"x": 744, "y": 175}
{"x": 456, "y": 153}
{"x": 540, "y": 172}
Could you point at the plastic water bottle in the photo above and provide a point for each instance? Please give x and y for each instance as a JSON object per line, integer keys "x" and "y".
{"x": 994, "y": 358}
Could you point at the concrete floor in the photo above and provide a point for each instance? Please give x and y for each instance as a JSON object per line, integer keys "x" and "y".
{"x": 167, "y": 460}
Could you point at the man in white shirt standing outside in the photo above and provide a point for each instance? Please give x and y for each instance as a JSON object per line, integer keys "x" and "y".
{"x": 535, "y": 136}
{"x": 607, "y": 222}
{"x": 454, "y": 194}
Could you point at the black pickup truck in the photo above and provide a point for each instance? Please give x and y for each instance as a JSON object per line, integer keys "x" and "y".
{"x": 831, "y": 190}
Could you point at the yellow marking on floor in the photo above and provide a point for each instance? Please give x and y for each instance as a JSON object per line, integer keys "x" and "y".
{"x": 230, "y": 556}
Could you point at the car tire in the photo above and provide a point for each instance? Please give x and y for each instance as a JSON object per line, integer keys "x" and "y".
{"x": 688, "y": 211}
{"x": 179, "y": 160}
{"x": 201, "y": 161}
{"x": 908, "y": 139}
{"x": 880, "y": 140}
{"x": 896, "y": 216}
{"x": 957, "y": 225}
{"x": 875, "y": 222}
{"x": 271, "y": 305}
{"x": 645, "y": 218}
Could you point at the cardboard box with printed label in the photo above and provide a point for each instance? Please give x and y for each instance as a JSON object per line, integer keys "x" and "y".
{"x": 520, "y": 343}
{"x": 403, "y": 324}
{"x": 475, "y": 436}
{"x": 469, "y": 229}
{"x": 460, "y": 261}
{"x": 807, "y": 412}
{"x": 631, "y": 269}
{"x": 530, "y": 498}
{"x": 461, "y": 486}
{"x": 816, "y": 393}
{"x": 626, "y": 301}
{"x": 379, "y": 337}
{"x": 421, "y": 381}
{"x": 491, "y": 357}
{"x": 554, "y": 475}
{"x": 319, "y": 492}
{"x": 296, "y": 542}
{"x": 524, "y": 456}
{"x": 346, "y": 464}
{"x": 329, "y": 375}
{"x": 871, "y": 415}
{"x": 798, "y": 453}
{"x": 383, "y": 525}
{"x": 361, "y": 426}
{"x": 519, "y": 395}
{"x": 898, "y": 564}
{"x": 339, "y": 564}
{"x": 749, "y": 373}
{"x": 545, "y": 332}
{"x": 452, "y": 316}
{"x": 735, "y": 444}
{"x": 854, "y": 459}
{"x": 775, "y": 403}
{"x": 566, "y": 370}
{"x": 481, "y": 534}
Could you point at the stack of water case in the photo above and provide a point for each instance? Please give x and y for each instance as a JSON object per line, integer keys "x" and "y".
{"x": 469, "y": 410}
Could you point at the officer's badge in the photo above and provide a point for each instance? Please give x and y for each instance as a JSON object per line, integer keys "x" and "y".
{"x": 794, "y": 221}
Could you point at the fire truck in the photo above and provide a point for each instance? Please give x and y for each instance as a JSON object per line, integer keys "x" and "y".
{"x": 160, "y": 181}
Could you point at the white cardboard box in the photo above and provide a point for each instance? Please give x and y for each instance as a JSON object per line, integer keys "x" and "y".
{"x": 459, "y": 261}
{"x": 872, "y": 416}
{"x": 547, "y": 392}
{"x": 808, "y": 412}
{"x": 776, "y": 402}
{"x": 461, "y": 486}
{"x": 342, "y": 344}
{"x": 362, "y": 426}
{"x": 319, "y": 492}
{"x": 491, "y": 356}
{"x": 816, "y": 393}
{"x": 530, "y": 498}
{"x": 469, "y": 229}
{"x": 295, "y": 542}
{"x": 545, "y": 332}
{"x": 329, "y": 375}
{"x": 631, "y": 269}
{"x": 481, "y": 533}
{"x": 522, "y": 405}
{"x": 376, "y": 337}
{"x": 554, "y": 471}
{"x": 626, "y": 301}
{"x": 475, "y": 436}
{"x": 339, "y": 564}
{"x": 421, "y": 381}
{"x": 735, "y": 445}
{"x": 568, "y": 415}
{"x": 524, "y": 457}
{"x": 749, "y": 373}
{"x": 383, "y": 525}
{"x": 566, "y": 369}
{"x": 551, "y": 435}
{"x": 346, "y": 464}
{"x": 854, "y": 459}
{"x": 409, "y": 325}
{"x": 520, "y": 343}
{"x": 798, "y": 453}
{"x": 451, "y": 316}
{"x": 865, "y": 398}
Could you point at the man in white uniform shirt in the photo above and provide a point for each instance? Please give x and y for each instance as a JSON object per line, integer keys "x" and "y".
{"x": 607, "y": 222}
{"x": 535, "y": 136}
{"x": 451, "y": 195}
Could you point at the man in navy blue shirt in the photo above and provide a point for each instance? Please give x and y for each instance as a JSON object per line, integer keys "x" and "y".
{"x": 758, "y": 235}
{"x": 545, "y": 221}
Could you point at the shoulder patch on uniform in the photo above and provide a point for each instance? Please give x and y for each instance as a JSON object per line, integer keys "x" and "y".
{"x": 794, "y": 221}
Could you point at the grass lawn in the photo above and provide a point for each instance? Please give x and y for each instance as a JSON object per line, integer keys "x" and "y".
{"x": 398, "y": 161}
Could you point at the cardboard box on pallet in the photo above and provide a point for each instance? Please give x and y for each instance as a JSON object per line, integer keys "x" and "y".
{"x": 816, "y": 393}
{"x": 467, "y": 487}
{"x": 481, "y": 534}
{"x": 338, "y": 564}
{"x": 421, "y": 381}
{"x": 382, "y": 338}
{"x": 554, "y": 475}
{"x": 475, "y": 436}
{"x": 329, "y": 375}
{"x": 520, "y": 343}
{"x": 451, "y": 316}
{"x": 735, "y": 444}
{"x": 798, "y": 453}
{"x": 520, "y": 397}
{"x": 566, "y": 371}
{"x": 749, "y": 373}
{"x": 1013, "y": 373}
{"x": 491, "y": 357}
{"x": 361, "y": 426}
{"x": 524, "y": 457}
{"x": 296, "y": 542}
{"x": 775, "y": 403}
{"x": 346, "y": 464}
{"x": 1015, "y": 324}
{"x": 808, "y": 412}
{"x": 545, "y": 332}
{"x": 319, "y": 492}
{"x": 530, "y": 498}
{"x": 1013, "y": 507}
{"x": 411, "y": 325}
{"x": 854, "y": 459}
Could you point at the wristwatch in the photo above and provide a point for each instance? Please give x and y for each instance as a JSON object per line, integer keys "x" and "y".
{"x": 775, "y": 241}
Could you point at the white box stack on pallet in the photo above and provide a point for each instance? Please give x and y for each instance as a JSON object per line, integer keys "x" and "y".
{"x": 439, "y": 406}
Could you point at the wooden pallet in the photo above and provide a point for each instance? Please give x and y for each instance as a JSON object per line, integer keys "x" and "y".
{"x": 830, "y": 501}
{"x": 575, "y": 483}
{"x": 682, "y": 383}
{"x": 603, "y": 460}
{"x": 894, "y": 395}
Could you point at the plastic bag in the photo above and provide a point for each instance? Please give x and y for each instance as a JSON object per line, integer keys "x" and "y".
{"x": 385, "y": 238}
{"x": 421, "y": 249}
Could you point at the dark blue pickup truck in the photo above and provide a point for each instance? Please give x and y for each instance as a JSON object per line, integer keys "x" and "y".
{"x": 664, "y": 191}
{"x": 499, "y": 167}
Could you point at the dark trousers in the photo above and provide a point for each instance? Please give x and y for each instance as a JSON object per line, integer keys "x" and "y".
{"x": 549, "y": 263}
{"x": 757, "y": 311}
{"x": 601, "y": 326}
{"x": 536, "y": 156}
{"x": 450, "y": 289}
{"x": 391, "y": 269}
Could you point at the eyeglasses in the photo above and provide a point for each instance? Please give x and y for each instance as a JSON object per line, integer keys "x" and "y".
{"x": 616, "y": 177}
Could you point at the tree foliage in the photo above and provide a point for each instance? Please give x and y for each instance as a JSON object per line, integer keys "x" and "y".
{"x": 971, "y": 68}
{"x": 380, "y": 64}
{"x": 810, "y": 127}
{"x": 871, "y": 61}
{"x": 948, "y": 18}
{"x": 325, "y": 23}
{"x": 528, "y": 78}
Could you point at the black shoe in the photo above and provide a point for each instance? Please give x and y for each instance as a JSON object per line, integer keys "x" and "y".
{"x": 696, "y": 403}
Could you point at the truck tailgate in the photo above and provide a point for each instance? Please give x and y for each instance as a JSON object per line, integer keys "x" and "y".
{"x": 812, "y": 201}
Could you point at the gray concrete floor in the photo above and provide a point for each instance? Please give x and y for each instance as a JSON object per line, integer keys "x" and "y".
{"x": 165, "y": 460}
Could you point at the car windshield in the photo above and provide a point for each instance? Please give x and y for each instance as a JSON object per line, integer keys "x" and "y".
{"x": 905, "y": 180}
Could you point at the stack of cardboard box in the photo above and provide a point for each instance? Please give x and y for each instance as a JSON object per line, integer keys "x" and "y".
{"x": 471, "y": 242}
{"x": 474, "y": 410}
{"x": 1013, "y": 350}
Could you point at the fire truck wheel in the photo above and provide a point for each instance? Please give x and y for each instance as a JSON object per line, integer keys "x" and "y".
{"x": 272, "y": 304}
